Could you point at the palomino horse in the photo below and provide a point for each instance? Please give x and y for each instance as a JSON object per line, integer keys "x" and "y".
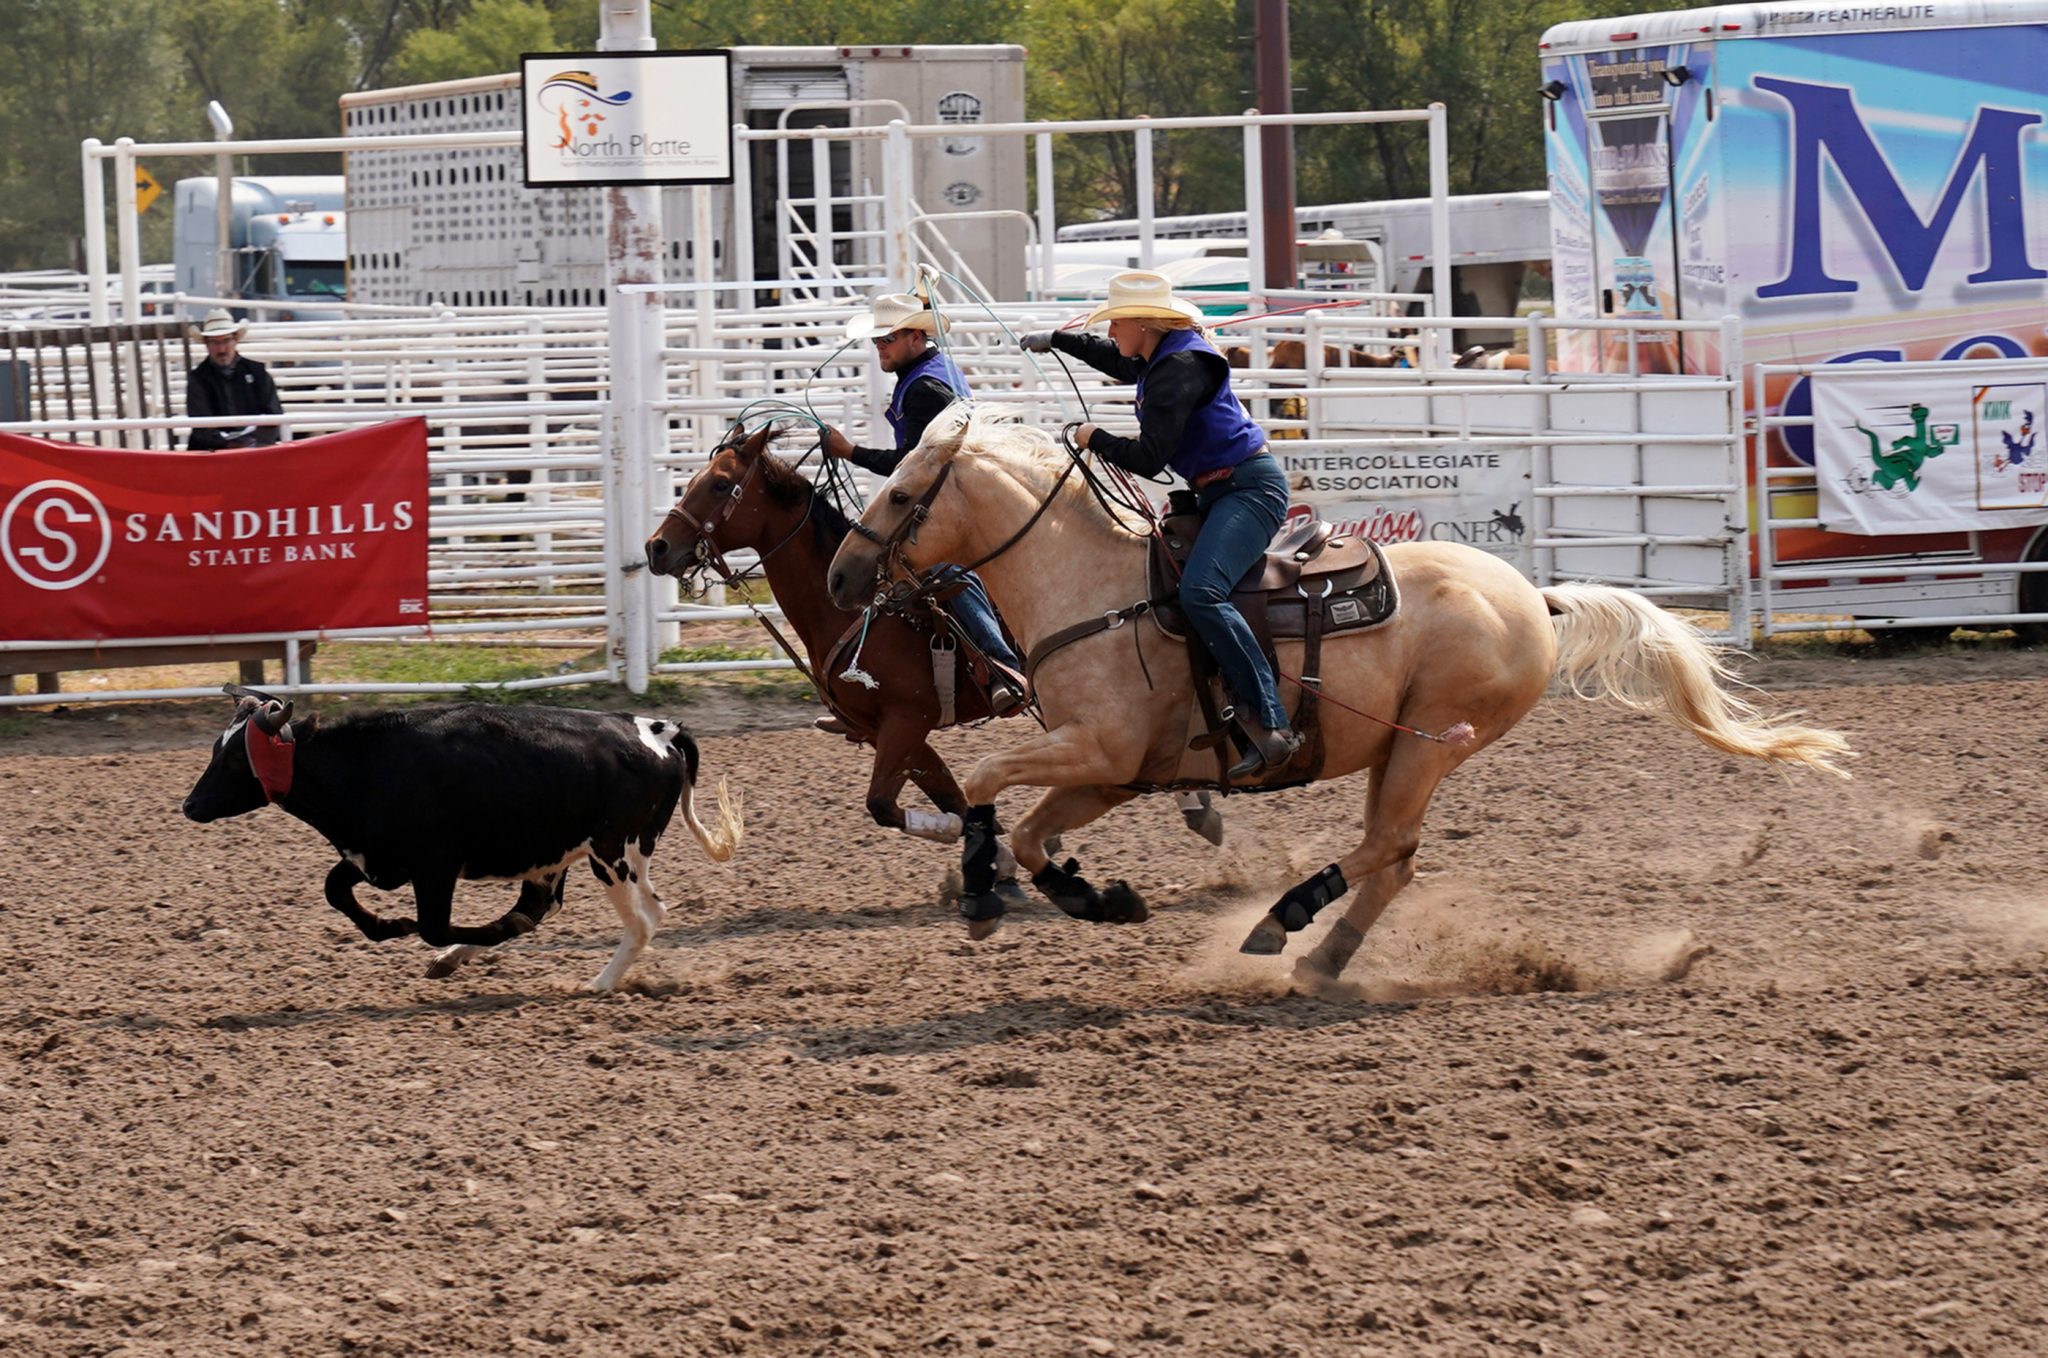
{"x": 746, "y": 498}
{"x": 1470, "y": 650}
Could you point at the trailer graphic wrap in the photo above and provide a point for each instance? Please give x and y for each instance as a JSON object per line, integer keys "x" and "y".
{"x": 1929, "y": 453}
{"x": 1893, "y": 172}
{"x": 1612, "y": 141}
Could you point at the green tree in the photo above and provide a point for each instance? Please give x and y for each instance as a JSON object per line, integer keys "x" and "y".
{"x": 1478, "y": 58}
{"x": 488, "y": 40}
{"x": 792, "y": 23}
{"x": 83, "y": 68}
{"x": 1105, "y": 59}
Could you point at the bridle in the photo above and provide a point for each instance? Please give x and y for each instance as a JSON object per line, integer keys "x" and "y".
{"x": 706, "y": 555}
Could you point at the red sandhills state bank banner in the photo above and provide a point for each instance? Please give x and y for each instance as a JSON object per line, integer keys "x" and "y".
{"x": 326, "y": 533}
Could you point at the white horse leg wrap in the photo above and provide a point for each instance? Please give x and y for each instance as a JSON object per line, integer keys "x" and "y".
{"x": 941, "y": 827}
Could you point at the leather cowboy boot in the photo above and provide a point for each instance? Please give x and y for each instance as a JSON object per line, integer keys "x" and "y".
{"x": 832, "y": 726}
{"x": 1270, "y": 749}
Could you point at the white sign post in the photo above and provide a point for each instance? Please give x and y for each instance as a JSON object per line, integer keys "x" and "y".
{"x": 636, "y": 118}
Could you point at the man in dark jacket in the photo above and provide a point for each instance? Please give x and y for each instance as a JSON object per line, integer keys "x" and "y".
{"x": 904, "y": 331}
{"x": 227, "y": 384}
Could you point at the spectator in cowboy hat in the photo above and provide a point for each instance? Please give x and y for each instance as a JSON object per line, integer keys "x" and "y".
{"x": 904, "y": 330}
{"x": 228, "y": 384}
{"x": 1189, "y": 420}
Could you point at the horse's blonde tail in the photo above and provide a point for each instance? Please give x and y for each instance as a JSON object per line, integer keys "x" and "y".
{"x": 1617, "y": 645}
{"x": 723, "y": 835}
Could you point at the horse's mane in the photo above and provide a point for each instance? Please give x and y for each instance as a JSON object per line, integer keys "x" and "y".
{"x": 966, "y": 430}
{"x": 788, "y": 487}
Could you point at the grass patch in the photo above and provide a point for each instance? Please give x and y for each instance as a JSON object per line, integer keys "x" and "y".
{"x": 753, "y": 684}
{"x": 380, "y": 663}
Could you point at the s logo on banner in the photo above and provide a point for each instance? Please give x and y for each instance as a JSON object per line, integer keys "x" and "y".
{"x": 48, "y": 528}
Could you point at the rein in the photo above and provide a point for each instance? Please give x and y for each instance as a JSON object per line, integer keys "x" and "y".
{"x": 922, "y": 511}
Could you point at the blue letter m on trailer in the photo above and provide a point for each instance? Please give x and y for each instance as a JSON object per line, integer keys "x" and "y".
{"x": 1825, "y": 116}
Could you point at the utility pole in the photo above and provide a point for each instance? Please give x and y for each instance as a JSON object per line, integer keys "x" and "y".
{"x": 1276, "y": 144}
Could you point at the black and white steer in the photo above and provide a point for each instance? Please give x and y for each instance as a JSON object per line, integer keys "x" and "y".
{"x": 472, "y": 792}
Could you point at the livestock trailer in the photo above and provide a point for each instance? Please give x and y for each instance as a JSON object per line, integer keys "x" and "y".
{"x": 460, "y": 228}
{"x": 1857, "y": 184}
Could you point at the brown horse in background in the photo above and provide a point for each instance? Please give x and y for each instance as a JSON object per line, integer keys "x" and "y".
{"x": 1293, "y": 353}
{"x": 745, "y": 498}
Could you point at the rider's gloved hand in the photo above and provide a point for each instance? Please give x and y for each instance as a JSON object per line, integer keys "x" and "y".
{"x": 835, "y": 443}
{"x": 1036, "y": 342}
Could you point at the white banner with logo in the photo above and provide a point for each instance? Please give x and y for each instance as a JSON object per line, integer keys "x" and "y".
{"x": 611, "y": 118}
{"x": 1929, "y": 452}
{"x": 1424, "y": 492}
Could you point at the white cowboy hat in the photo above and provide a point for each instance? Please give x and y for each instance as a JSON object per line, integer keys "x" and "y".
{"x": 889, "y": 312}
{"x": 218, "y": 322}
{"x": 1143, "y": 294}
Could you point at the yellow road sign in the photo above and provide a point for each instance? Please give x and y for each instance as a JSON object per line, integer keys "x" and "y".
{"x": 147, "y": 190}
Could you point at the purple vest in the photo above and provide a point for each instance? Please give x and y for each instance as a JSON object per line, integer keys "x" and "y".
{"x": 933, "y": 364}
{"x": 1218, "y": 432}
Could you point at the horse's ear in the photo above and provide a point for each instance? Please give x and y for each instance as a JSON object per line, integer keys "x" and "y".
{"x": 757, "y": 441}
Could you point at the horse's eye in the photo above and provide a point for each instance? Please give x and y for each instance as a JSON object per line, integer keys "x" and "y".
{"x": 719, "y": 485}
{"x": 899, "y": 497}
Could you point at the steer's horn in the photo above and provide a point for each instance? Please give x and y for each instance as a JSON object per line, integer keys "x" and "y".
{"x": 274, "y": 716}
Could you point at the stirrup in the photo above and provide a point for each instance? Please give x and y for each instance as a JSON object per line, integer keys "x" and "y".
{"x": 1003, "y": 698}
{"x": 832, "y": 726}
{"x": 1286, "y": 741}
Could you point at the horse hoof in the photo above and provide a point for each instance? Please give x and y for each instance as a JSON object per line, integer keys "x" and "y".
{"x": 1121, "y": 905}
{"x": 1267, "y": 939}
{"x": 981, "y": 929}
{"x": 1208, "y": 823}
{"x": 1012, "y": 891}
{"x": 1052, "y": 846}
{"x": 441, "y": 968}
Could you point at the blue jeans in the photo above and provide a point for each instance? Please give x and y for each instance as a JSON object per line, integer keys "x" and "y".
{"x": 1240, "y": 514}
{"x": 977, "y": 616}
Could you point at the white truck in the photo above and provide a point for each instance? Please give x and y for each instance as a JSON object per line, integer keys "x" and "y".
{"x": 287, "y": 242}
{"x": 1495, "y": 239}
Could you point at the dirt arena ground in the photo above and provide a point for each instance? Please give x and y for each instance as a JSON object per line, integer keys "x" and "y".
{"x": 823, "y": 1122}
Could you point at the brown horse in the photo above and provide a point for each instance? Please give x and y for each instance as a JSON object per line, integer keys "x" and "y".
{"x": 745, "y": 498}
{"x": 1293, "y": 353}
{"x": 1470, "y": 650}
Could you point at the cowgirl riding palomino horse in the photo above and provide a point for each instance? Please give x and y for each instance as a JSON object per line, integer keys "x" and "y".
{"x": 887, "y": 678}
{"x": 1404, "y": 672}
